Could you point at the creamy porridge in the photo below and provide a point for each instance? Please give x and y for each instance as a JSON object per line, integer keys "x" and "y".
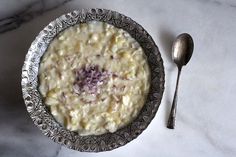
{"x": 94, "y": 78}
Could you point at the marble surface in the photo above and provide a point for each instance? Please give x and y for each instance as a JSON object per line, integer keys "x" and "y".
{"x": 206, "y": 119}
{"x": 13, "y": 13}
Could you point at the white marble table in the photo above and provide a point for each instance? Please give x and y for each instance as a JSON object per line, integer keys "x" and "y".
{"x": 206, "y": 116}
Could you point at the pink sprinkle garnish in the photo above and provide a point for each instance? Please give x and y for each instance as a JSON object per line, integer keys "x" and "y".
{"x": 88, "y": 79}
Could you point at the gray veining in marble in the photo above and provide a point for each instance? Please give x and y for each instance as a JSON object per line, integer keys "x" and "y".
{"x": 13, "y": 15}
{"x": 205, "y": 124}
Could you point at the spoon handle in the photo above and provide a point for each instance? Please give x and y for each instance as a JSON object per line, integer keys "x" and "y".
{"x": 171, "y": 120}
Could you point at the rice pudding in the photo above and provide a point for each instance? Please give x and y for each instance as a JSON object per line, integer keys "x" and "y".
{"x": 94, "y": 78}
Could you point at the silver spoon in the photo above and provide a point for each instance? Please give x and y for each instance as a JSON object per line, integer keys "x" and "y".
{"x": 182, "y": 51}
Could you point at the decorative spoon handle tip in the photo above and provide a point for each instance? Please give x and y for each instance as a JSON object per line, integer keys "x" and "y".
{"x": 171, "y": 122}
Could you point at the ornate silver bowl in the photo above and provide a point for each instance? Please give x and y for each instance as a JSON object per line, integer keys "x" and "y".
{"x": 41, "y": 115}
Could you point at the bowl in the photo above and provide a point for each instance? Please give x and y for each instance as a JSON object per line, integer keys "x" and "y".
{"x": 42, "y": 117}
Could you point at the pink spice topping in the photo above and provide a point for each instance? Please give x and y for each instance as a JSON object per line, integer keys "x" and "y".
{"x": 88, "y": 79}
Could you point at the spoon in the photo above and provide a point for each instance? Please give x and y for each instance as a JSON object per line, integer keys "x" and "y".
{"x": 182, "y": 51}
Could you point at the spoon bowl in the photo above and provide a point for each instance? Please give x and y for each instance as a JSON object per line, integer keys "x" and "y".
{"x": 182, "y": 49}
